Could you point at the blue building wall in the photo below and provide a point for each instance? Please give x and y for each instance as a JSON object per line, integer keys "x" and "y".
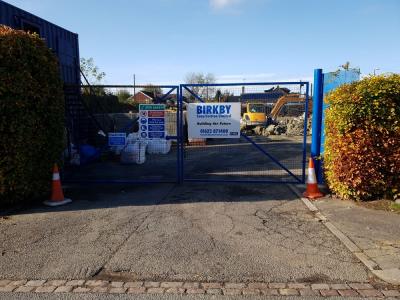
{"x": 62, "y": 42}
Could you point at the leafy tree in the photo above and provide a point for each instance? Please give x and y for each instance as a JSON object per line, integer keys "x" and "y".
{"x": 346, "y": 66}
{"x": 218, "y": 95}
{"x": 92, "y": 76}
{"x": 91, "y": 71}
{"x": 123, "y": 96}
{"x": 225, "y": 96}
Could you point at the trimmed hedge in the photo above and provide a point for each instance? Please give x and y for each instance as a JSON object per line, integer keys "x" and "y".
{"x": 362, "y": 146}
{"x": 32, "y": 116}
{"x": 107, "y": 103}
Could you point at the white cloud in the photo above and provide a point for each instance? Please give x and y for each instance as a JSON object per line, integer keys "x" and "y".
{"x": 222, "y": 4}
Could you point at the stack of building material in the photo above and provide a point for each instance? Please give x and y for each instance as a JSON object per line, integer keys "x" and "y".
{"x": 171, "y": 122}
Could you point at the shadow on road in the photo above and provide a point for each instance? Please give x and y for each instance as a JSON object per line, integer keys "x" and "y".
{"x": 93, "y": 197}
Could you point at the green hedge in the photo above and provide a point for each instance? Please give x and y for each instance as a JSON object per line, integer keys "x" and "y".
{"x": 107, "y": 104}
{"x": 32, "y": 116}
{"x": 362, "y": 147}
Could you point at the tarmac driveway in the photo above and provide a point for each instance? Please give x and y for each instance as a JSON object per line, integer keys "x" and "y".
{"x": 193, "y": 232}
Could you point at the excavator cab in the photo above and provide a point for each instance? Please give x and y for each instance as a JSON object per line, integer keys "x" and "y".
{"x": 255, "y": 115}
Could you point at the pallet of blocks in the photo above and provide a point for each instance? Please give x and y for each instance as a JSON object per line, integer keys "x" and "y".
{"x": 197, "y": 142}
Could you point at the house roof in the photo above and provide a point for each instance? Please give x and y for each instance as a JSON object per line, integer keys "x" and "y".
{"x": 150, "y": 94}
{"x": 231, "y": 98}
{"x": 278, "y": 89}
{"x": 271, "y": 95}
{"x": 169, "y": 97}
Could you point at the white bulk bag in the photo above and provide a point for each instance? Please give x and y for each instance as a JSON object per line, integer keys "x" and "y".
{"x": 158, "y": 146}
{"x": 129, "y": 153}
{"x": 134, "y": 153}
{"x": 132, "y": 138}
{"x": 141, "y": 154}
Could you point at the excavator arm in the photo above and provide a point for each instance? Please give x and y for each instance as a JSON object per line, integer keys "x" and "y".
{"x": 284, "y": 100}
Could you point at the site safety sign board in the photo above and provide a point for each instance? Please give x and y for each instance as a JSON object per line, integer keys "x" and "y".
{"x": 152, "y": 121}
{"x": 116, "y": 139}
{"x": 214, "y": 120}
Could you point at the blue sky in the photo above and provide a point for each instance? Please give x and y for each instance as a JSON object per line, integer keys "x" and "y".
{"x": 252, "y": 40}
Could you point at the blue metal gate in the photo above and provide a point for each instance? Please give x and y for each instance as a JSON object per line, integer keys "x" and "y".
{"x": 272, "y": 150}
{"x": 96, "y": 112}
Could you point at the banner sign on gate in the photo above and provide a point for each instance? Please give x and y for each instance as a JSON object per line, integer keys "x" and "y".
{"x": 152, "y": 121}
{"x": 214, "y": 120}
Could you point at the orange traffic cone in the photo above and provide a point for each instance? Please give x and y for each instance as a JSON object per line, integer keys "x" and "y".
{"x": 312, "y": 191}
{"x": 57, "y": 195}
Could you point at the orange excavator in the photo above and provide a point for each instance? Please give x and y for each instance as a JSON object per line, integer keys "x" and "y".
{"x": 290, "y": 100}
{"x": 255, "y": 114}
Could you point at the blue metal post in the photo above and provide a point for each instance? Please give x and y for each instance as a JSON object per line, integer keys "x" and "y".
{"x": 178, "y": 158}
{"x": 180, "y": 135}
{"x": 317, "y": 119}
{"x": 303, "y": 175}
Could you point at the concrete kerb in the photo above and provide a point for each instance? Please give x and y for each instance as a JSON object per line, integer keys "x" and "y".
{"x": 391, "y": 276}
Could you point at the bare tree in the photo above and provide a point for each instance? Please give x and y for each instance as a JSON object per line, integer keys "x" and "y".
{"x": 205, "y": 92}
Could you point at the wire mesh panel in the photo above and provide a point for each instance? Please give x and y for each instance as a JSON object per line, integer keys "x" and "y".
{"x": 271, "y": 146}
{"x": 123, "y": 134}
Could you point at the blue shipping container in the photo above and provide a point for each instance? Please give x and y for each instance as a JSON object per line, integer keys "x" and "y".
{"x": 63, "y": 42}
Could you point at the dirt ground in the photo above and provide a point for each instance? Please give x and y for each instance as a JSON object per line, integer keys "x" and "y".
{"x": 382, "y": 204}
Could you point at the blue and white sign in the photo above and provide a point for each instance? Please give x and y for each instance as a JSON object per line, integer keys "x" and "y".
{"x": 116, "y": 139}
{"x": 152, "y": 120}
{"x": 158, "y": 121}
{"x": 214, "y": 120}
{"x": 156, "y": 135}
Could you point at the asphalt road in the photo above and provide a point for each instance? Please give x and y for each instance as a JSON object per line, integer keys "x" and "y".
{"x": 194, "y": 232}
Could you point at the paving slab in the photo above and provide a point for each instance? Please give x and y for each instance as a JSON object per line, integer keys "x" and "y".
{"x": 376, "y": 234}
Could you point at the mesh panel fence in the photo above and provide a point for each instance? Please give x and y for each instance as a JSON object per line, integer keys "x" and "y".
{"x": 271, "y": 146}
{"x": 110, "y": 142}
{"x": 135, "y": 134}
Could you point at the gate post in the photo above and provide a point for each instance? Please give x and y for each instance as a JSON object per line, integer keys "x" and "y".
{"x": 317, "y": 121}
{"x": 180, "y": 139}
